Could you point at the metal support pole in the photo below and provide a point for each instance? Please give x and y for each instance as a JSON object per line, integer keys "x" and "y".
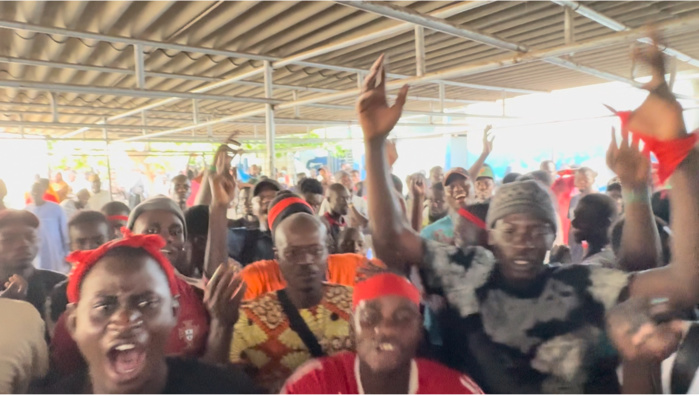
{"x": 442, "y": 93}
{"x": 504, "y": 97}
{"x": 109, "y": 165}
{"x": 139, "y": 66}
{"x": 360, "y": 80}
{"x": 420, "y": 67}
{"x": 144, "y": 121}
{"x": 269, "y": 118}
{"x": 297, "y": 110}
{"x": 568, "y": 26}
{"x": 54, "y": 107}
{"x": 195, "y": 111}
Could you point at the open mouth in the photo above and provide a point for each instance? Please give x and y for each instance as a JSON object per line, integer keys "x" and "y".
{"x": 522, "y": 265}
{"x": 170, "y": 254}
{"x": 126, "y": 361}
{"x": 385, "y": 347}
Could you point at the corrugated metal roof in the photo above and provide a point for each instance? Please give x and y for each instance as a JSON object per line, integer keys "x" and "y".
{"x": 280, "y": 29}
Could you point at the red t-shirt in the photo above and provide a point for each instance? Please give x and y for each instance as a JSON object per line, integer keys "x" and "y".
{"x": 188, "y": 338}
{"x": 563, "y": 189}
{"x": 194, "y": 190}
{"x": 338, "y": 375}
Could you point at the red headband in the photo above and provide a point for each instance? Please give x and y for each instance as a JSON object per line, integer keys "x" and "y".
{"x": 277, "y": 209}
{"x": 669, "y": 153}
{"x": 118, "y": 217}
{"x": 386, "y": 284}
{"x": 84, "y": 260}
{"x": 472, "y": 218}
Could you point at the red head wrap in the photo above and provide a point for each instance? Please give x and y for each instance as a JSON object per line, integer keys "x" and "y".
{"x": 386, "y": 284}
{"x": 282, "y": 205}
{"x": 118, "y": 217}
{"x": 669, "y": 153}
{"x": 472, "y": 218}
{"x": 84, "y": 260}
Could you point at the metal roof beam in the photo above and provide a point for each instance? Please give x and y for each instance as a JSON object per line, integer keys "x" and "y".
{"x": 406, "y": 14}
{"x": 104, "y": 69}
{"x": 678, "y": 24}
{"x": 136, "y": 93}
{"x": 448, "y": 11}
{"x": 128, "y": 40}
{"x": 613, "y": 24}
{"x": 379, "y": 34}
{"x": 418, "y": 113}
{"x": 451, "y": 83}
{"x": 409, "y": 15}
{"x": 248, "y": 121}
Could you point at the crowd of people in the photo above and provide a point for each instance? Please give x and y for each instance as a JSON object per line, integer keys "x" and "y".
{"x": 458, "y": 285}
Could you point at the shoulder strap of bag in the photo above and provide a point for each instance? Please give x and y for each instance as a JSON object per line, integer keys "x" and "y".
{"x": 686, "y": 362}
{"x": 298, "y": 325}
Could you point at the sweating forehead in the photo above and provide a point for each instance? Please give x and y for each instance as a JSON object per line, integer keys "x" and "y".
{"x": 164, "y": 218}
{"x": 389, "y": 303}
{"x": 338, "y": 189}
{"x": 299, "y": 226}
{"x": 132, "y": 269}
{"x": 16, "y": 227}
{"x": 180, "y": 179}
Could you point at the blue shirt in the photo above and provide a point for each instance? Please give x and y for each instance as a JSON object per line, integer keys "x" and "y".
{"x": 441, "y": 230}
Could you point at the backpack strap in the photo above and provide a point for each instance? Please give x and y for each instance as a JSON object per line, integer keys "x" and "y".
{"x": 686, "y": 362}
{"x": 299, "y": 325}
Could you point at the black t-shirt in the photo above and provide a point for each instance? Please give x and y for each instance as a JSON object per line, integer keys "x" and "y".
{"x": 184, "y": 376}
{"x": 549, "y": 339}
{"x": 248, "y": 246}
{"x": 40, "y": 286}
{"x": 59, "y": 300}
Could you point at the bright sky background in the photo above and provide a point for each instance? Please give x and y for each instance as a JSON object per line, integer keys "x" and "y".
{"x": 569, "y": 126}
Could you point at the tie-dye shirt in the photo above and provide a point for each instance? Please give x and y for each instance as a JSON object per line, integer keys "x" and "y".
{"x": 441, "y": 230}
{"x": 548, "y": 339}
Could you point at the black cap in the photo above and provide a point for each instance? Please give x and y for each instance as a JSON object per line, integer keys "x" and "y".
{"x": 266, "y": 183}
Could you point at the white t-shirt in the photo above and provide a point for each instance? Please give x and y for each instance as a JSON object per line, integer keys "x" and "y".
{"x": 358, "y": 203}
{"x": 69, "y": 208}
{"x": 23, "y": 352}
{"x": 97, "y": 201}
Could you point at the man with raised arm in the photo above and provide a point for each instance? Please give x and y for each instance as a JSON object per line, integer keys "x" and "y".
{"x": 513, "y": 323}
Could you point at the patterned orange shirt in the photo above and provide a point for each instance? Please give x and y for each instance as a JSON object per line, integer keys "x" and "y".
{"x": 265, "y": 276}
{"x": 263, "y": 338}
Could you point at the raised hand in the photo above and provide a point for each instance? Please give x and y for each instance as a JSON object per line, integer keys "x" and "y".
{"x": 630, "y": 165}
{"x": 660, "y": 115}
{"x": 638, "y": 336}
{"x": 222, "y": 182}
{"x": 418, "y": 185}
{"x": 488, "y": 140}
{"x": 560, "y": 254}
{"x": 223, "y": 295}
{"x": 391, "y": 152}
{"x": 15, "y": 288}
{"x": 376, "y": 117}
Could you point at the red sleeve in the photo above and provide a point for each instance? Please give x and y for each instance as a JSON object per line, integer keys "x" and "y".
{"x": 306, "y": 380}
{"x": 436, "y": 378}
{"x": 65, "y": 355}
{"x": 191, "y": 332}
